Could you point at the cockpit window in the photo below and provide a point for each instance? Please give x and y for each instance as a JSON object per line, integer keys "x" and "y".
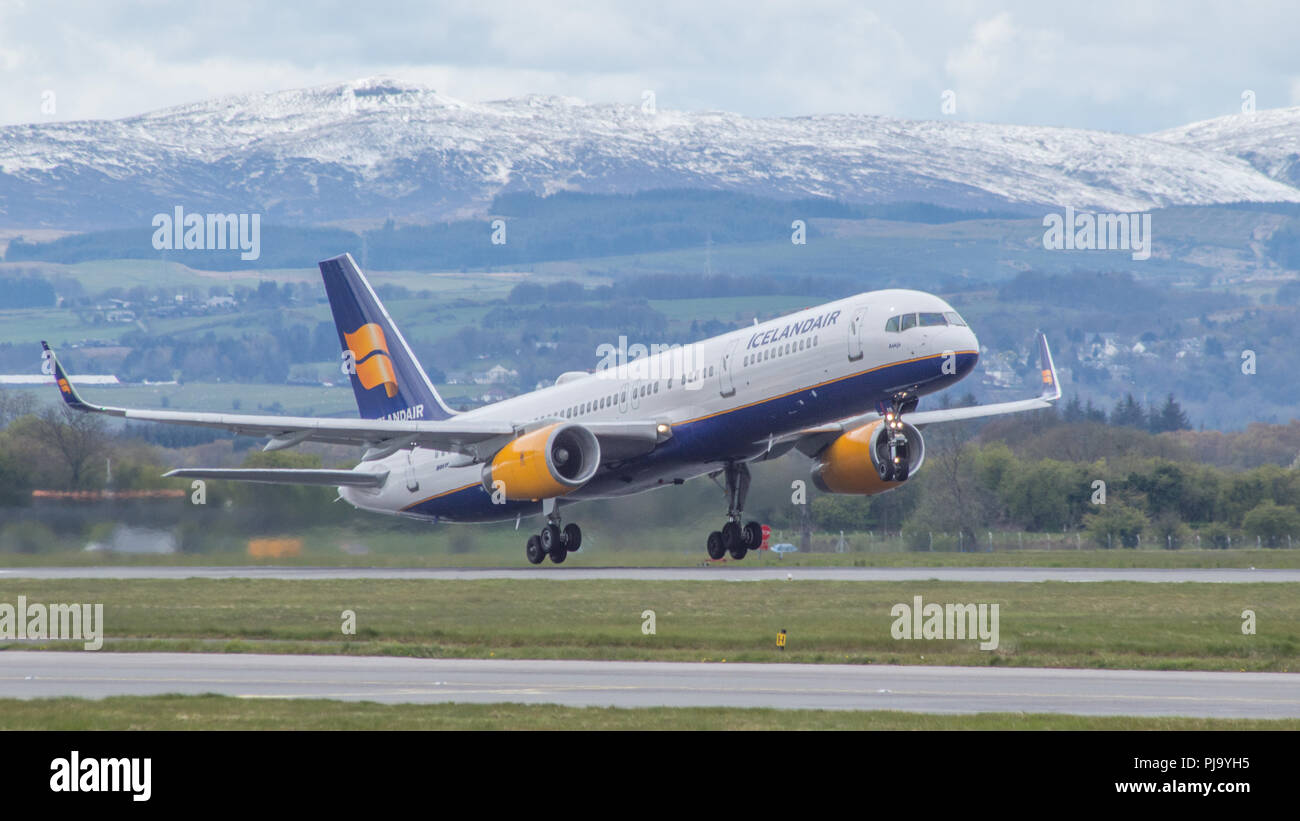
{"x": 908, "y": 321}
{"x": 930, "y": 319}
{"x": 954, "y": 318}
{"x": 892, "y": 325}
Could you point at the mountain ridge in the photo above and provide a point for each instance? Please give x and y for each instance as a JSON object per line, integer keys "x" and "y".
{"x": 381, "y": 147}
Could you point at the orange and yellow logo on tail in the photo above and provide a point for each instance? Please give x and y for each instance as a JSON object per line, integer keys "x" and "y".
{"x": 64, "y": 386}
{"x": 370, "y": 352}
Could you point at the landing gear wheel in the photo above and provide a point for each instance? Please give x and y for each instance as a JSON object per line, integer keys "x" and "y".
{"x": 572, "y": 537}
{"x": 886, "y": 471}
{"x": 534, "y": 550}
{"x": 714, "y": 546}
{"x": 733, "y": 540}
{"x": 731, "y": 535}
{"x": 753, "y": 535}
{"x": 559, "y": 554}
{"x": 550, "y": 537}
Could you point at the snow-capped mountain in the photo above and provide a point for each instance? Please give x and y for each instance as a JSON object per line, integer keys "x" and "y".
{"x": 1268, "y": 140}
{"x": 381, "y": 147}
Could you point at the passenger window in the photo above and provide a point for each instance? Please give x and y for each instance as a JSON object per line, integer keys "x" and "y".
{"x": 908, "y": 321}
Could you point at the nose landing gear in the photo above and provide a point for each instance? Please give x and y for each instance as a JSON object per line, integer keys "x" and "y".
{"x": 893, "y": 460}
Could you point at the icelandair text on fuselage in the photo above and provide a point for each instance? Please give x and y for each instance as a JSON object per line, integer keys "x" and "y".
{"x": 793, "y": 329}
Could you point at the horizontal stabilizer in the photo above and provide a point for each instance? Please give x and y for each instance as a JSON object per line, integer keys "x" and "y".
{"x": 285, "y": 476}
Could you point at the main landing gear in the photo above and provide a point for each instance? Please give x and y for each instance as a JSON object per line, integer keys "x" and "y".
{"x": 733, "y": 538}
{"x": 553, "y": 541}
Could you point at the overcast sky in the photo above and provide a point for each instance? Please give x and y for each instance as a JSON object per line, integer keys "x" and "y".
{"x": 1122, "y": 66}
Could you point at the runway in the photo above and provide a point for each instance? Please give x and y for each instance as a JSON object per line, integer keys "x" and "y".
{"x": 726, "y": 573}
{"x": 648, "y": 684}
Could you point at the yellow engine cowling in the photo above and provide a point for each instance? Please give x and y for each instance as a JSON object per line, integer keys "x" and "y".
{"x": 851, "y": 464}
{"x": 544, "y": 463}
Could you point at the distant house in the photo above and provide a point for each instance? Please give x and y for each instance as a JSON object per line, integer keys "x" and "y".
{"x": 496, "y": 375}
{"x": 1000, "y": 377}
{"x": 1098, "y": 348}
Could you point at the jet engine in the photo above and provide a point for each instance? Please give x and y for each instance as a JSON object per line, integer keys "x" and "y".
{"x": 870, "y": 459}
{"x": 544, "y": 463}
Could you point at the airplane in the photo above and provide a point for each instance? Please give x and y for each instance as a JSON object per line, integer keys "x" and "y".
{"x": 839, "y": 382}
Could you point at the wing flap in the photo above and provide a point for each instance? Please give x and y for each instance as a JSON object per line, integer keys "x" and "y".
{"x": 285, "y": 476}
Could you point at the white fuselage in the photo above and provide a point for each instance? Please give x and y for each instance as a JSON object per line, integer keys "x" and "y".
{"x": 723, "y": 399}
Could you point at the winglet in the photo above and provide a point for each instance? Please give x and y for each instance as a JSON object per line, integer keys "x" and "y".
{"x": 69, "y": 393}
{"x": 1051, "y": 382}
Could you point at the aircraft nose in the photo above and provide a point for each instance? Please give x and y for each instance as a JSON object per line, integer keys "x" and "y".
{"x": 969, "y": 347}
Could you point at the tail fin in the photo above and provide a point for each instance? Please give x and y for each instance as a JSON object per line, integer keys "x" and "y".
{"x": 386, "y": 377}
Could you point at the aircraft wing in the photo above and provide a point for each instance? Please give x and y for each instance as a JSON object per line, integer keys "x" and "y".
{"x": 378, "y": 435}
{"x": 476, "y": 439}
{"x": 812, "y": 440}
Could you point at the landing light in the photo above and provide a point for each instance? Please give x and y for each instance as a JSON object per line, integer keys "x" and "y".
{"x": 662, "y": 428}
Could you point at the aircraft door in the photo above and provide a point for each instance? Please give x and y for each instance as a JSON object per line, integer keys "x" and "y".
{"x": 412, "y": 481}
{"x": 726, "y": 376}
{"x": 857, "y": 332}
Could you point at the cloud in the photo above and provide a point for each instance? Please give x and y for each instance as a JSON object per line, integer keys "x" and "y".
{"x": 1000, "y": 62}
{"x": 1109, "y": 64}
